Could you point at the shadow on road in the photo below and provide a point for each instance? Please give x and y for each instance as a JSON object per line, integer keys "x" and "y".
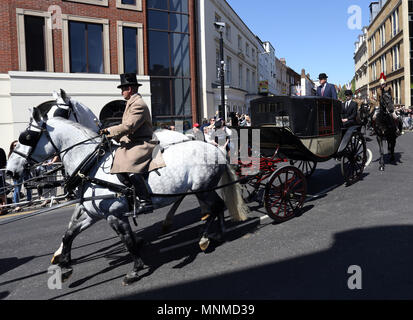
{"x": 383, "y": 253}
{"x": 386, "y": 158}
{"x": 179, "y": 246}
{"x": 8, "y": 264}
{"x": 4, "y": 294}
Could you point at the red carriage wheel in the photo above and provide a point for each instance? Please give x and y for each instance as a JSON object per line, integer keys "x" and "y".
{"x": 285, "y": 193}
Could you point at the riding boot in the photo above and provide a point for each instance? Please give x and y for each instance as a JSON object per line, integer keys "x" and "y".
{"x": 136, "y": 181}
{"x": 145, "y": 202}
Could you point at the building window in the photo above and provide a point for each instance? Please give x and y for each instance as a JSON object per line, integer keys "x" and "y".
{"x": 382, "y": 35}
{"x": 35, "y": 45}
{"x": 35, "y": 40}
{"x": 96, "y": 2}
{"x": 253, "y": 55}
{"x": 247, "y": 83}
{"x": 228, "y": 32}
{"x": 129, "y": 4}
{"x": 85, "y": 44}
{"x": 239, "y": 43}
{"x": 247, "y": 49}
{"x": 169, "y": 60}
{"x": 130, "y": 50}
{"x": 396, "y": 89}
{"x": 383, "y": 64}
{"x": 395, "y": 22}
{"x": 130, "y": 47}
{"x": 396, "y": 57}
{"x": 240, "y": 76}
{"x": 86, "y": 47}
{"x": 228, "y": 71}
{"x": 373, "y": 71}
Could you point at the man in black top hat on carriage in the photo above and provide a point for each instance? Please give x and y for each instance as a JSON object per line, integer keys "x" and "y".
{"x": 349, "y": 110}
{"x": 326, "y": 89}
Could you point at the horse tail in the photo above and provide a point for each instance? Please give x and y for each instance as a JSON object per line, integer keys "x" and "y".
{"x": 233, "y": 197}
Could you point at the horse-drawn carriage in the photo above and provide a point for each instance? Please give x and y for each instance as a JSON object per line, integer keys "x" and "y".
{"x": 302, "y": 131}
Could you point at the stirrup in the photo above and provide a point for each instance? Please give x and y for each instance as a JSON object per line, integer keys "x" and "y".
{"x": 141, "y": 207}
{"x": 144, "y": 207}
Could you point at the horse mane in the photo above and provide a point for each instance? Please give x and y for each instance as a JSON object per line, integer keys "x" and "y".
{"x": 88, "y": 132}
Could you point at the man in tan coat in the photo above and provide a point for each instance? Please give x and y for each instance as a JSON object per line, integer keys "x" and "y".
{"x": 137, "y": 153}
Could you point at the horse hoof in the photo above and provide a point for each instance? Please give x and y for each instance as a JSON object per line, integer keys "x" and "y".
{"x": 204, "y": 243}
{"x": 130, "y": 278}
{"x": 205, "y": 217}
{"x": 166, "y": 229}
{"x": 66, "y": 274}
{"x": 56, "y": 259}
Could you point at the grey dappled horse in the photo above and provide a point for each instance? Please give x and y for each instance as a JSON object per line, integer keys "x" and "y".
{"x": 190, "y": 166}
{"x": 68, "y": 108}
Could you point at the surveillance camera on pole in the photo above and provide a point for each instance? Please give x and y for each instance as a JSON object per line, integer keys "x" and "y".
{"x": 220, "y": 26}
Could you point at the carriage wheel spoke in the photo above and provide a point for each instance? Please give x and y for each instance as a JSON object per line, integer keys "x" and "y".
{"x": 286, "y": 192}
{"x": 275, "y": 202}
{"x": 291, "y": 205}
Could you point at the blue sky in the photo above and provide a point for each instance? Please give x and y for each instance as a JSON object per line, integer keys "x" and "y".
{"x": 313, "y": 35}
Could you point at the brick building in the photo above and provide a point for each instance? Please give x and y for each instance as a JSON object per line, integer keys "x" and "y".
{"x": 47, "y": 36}
{"x": 389, "y": 48}
{"x": 82, "y": 46}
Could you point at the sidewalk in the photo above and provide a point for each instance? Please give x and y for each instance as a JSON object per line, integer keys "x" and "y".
{"x": 35, "y": 204}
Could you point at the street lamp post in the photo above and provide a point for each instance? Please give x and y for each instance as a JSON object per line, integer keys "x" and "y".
{"x": 220, "y": 26}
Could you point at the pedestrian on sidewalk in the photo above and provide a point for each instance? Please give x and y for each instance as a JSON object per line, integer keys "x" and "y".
{"x": 19, "y": 182}
{"x": 3, "y": 197}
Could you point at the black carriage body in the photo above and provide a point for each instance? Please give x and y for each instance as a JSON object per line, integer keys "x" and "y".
{"x": 307, "y": 117}
{"x": 304, "y": 128}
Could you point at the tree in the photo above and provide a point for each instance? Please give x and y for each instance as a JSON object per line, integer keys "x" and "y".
{"x": 341, "y": 95}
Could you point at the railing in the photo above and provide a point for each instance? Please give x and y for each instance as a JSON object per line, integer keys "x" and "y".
{"x": 43, "y": 190}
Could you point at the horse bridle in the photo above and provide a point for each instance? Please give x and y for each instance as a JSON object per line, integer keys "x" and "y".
{"x": 31, "y": 138}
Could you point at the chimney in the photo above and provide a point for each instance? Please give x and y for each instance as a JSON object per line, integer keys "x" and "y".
{"x": 283, "y": 61}
{"x": 374, "y": 9}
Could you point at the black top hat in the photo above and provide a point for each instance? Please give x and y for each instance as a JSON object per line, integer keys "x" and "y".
{"x": 322, "y": 76}
{"x": 128, "y": 79}
{"x": 218, "y": 123}
{"x": 348, "y": 93}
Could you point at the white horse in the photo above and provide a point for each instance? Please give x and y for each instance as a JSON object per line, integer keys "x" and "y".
{"x": 69, "y": 108}
{"x": 191, "y": 166}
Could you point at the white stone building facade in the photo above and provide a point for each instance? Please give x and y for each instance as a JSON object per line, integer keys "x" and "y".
{"x": 307, "y": 85}
{"x": 361, "y": 66}
{"x": 20, "y": 90}
{"x": 266, "y": 68}
{"x": 240, "y": 56}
